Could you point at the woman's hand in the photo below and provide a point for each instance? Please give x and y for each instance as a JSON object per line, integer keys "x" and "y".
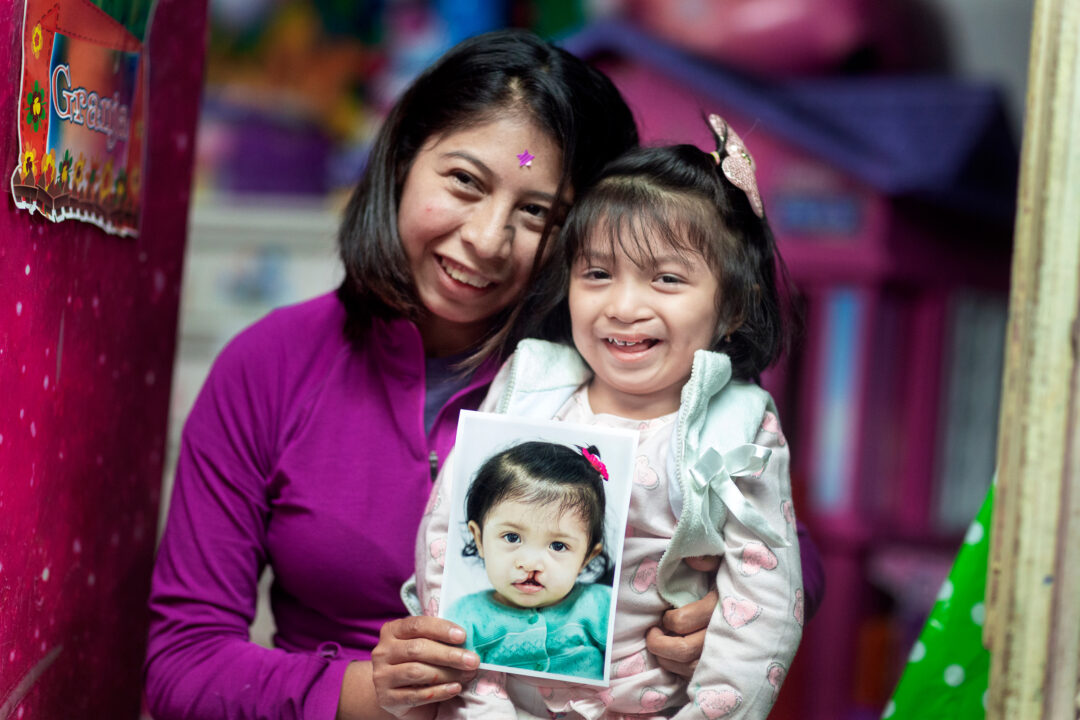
{"x": 416, "y": 665}
{"x": 678, "y": 641}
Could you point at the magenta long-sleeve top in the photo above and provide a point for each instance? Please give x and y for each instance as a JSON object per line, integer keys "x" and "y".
{"x": 308, "y": 453}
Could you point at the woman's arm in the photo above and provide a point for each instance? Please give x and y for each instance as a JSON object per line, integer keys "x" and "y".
{"x": 677, "y": 643}
{"x": 358, "y": 697}
{"x": 200, "y": 662}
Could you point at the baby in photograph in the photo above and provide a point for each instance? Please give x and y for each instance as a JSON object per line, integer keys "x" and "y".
{"x": 535, "y": 513}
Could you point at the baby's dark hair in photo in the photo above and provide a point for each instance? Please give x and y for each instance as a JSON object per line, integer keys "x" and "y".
{"x": 544, "y": 474}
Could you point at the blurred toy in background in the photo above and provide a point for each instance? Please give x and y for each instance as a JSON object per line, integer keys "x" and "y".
{"x": 285, "y": 86}
{"x": 296, "y": 88}
{"x": 294, "y": 58}
{"x": 785, "y": 37}
{"x": 416, "y": 32}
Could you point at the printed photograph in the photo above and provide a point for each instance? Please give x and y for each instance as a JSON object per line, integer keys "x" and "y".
{"x": 537, "y": 518}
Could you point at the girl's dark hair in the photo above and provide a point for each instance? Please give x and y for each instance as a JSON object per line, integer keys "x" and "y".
{"x": 544, "y": 473}
{"x": 679, "y": 195}
{"x": 481, "y": 78}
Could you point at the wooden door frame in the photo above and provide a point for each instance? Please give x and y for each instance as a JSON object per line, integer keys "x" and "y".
{"x": 1033, "y": 592}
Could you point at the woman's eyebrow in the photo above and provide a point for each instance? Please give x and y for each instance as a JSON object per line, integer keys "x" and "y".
{"x": 469, "y": 158}
{"x": 480, "y": 165}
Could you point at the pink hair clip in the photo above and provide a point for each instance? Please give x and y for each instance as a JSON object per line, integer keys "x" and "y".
{"x": 595, "y": 462}
{"x": 738, "y": 166}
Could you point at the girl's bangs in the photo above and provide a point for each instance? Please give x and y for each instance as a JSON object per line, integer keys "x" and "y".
{"x": 642, "y": 223}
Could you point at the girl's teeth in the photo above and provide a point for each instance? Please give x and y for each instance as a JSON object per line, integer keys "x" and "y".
{"x": 462, "y": 277}
{"x": 621, "y": 343}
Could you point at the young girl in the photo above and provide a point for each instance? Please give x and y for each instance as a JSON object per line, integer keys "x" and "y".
{"x": 671, "y": 305}
{"x": 535, "y": 513}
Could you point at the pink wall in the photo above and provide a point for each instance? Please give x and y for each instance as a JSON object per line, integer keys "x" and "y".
{"x": 87, "y": 335}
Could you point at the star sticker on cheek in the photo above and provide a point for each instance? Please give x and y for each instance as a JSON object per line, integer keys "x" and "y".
{"x": 525, "y": 159}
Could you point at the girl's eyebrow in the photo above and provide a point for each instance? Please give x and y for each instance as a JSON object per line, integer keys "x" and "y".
{"x": 672, "y": 259}
{"x": 654, "y": 261}
{"x": 467, "y": 157}
{"x": 603, "y": 256}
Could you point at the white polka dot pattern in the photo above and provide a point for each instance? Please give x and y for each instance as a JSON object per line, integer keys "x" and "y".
{"x": 948, "y": 669}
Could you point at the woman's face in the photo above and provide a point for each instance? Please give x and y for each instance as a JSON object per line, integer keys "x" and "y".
{"x": 472, "y": 211}
{"x": 532, "y": 555}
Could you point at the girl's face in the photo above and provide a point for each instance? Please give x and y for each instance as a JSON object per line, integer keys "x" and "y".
{"x": 638, "y": 327}
{"x": 532, "y": 555}
{"x": 470, "y": 219}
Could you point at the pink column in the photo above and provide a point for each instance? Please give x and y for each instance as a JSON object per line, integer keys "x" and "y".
{"x": 87, "y": 337}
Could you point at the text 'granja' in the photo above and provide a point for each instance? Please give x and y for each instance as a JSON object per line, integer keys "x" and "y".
{"x": 77, "y": 105}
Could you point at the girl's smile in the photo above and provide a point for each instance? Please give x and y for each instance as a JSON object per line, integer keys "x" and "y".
{"x": 632, "y": 344}
{"x": 624, "y": 346}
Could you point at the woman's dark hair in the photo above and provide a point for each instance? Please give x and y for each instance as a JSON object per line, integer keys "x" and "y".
{"x": 543, "y": 473}
{"x": 505, "y": 71}
{"x": 678, "y": 195}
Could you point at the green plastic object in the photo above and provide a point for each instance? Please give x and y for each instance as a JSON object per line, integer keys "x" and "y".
{"x": 948, "y": 670}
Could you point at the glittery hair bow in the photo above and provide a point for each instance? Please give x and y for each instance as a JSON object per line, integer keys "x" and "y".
{"x": 737, "y": 164}
{"x": 594, "y": 460}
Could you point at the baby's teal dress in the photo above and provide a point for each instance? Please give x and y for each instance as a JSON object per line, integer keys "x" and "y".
{"x": 568, "y": 638}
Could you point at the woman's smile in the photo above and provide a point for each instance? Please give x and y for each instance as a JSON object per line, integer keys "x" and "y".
{"x": 463, "y": 275}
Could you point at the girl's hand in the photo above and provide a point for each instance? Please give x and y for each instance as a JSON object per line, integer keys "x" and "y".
{"x": 416, "y": 665}
{"x": 678, "y": 642}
